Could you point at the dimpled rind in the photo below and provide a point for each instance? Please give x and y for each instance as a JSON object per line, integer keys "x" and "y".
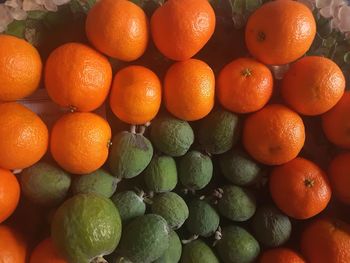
{"x": 86, "y": 226}
{"x": 129, "y": 205}
{"x": 129, "y": 155}
{"x": 197, "y": 251}
{"x": 173, "y": 253}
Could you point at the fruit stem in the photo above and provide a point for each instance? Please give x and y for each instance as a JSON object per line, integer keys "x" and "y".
{"x": 246, "y": 72}
{"x": 192, "y": 238}
{"x": 217, "y": 236}
{"x": 133, "y": 129}
{"x": 99, "y": 259}
{"x": 309, "y": 183}
{"x": 261, "y": 36}
{"x": 72, "y": 108}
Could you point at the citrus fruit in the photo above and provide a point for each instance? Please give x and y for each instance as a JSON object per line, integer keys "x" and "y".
{"x": 80, "y": 141}
{"x": 326, "y": 241}
{"x": 46, "y": 252}
{"x": 118, "y": 28}
{"x": 13, "y": 248}
{"x": 78, "y": 77}
{"x": 338, "y": 172}
{"x": 180, "y": 28}
{"x": 336, "y": 123}
{"x": 9, "y": 194}
{"x": 280, "y": 255}
{"x": 280, "y": 32}
{"x": 24, "y": 136}
{"x": 20, "y": 68}
{"x": 136, "y": 95}
{"x": 305, "y": 182}
{"x": 173, "y": 253}
{"x": 85, "y": 227}
{"x": 244, "y": 85}
{"x": 197, "y": 251}
{"x": 45, "y": 184}
{"x": 274, "y": 135}
{"x": 313, "y": 85}
{"x": 189, "y": 88}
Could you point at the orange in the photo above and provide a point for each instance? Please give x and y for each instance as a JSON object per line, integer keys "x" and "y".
{"x": 181, "y": 28}
{"x": 313, "y": 85}
{"x": 336, "y": 122}
{"x": 78, "y": 77}
{"x": 20, "y": 68}
{"x": 244, "y": 85}
{"x": 118, "y": 28}
{"x": 189, "y": 89}
{"x": 300, "y": 188}
{"x": 274, "y": 135}
{"x": 326, "y": 241}
{"x": 46, "y": 252}
{"x": 24, "y": 136}
{"x": 9, "y": 194}
{"x": 136, "y": 95}
{"x": 13, "y": 249}
{"x": 281, "y": 255}
{"x": 339, "y": 174}
{"x": 80, "y": 141}
{"x": 280, "y": 32}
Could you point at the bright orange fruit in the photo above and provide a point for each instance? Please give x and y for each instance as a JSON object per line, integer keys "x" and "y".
{"x": 280, "y": 255}
{"x": 339, "y": 174}
{"x": 13, "y": 248}
{"x": 9, "y": 194}
{"x": 46, "y": 252}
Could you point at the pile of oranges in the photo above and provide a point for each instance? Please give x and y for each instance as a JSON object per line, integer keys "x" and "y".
{"x": 79, "y": 78}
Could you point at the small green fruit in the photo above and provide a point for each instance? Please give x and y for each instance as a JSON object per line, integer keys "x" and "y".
{"x": 129, "y": 154}
{"x": 173, "y": 253}
{"x": 171, "y": 136}
{"x": 198, "y": 252}
{"x": 98, "y": 182}
{"x": 219, "y": 131}
{"x": 195, "y": 170}
{"x": 203, "y": 219}
{"x": 45, "y": 184}
{"x": 161, "y": 174}
{"x": 145, "y": 239}
{"x": 237, "y": 203}
{"x": 237, "y": 246}
{"x": 172, "y": 208}
{"x": 129, "y": 204}
{"x": 270, "y": 226}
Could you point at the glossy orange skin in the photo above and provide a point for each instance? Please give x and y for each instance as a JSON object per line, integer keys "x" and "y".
{"x": 20, "y": 68}
{"x": 326, "y": 241}
{"x": 189, "y": 89}
{"x": 13, "y": 248}
{"x": 274, "y": 135}
{"x": 80, "y": 141}
{"x": 281, "y": 255}
{"x": 118, "y": 28}
{"x": 46, "y": 252}
{"x": 77, "y": 76}
{"x": 136, "y": 95}
{"x": 300, "y": 188}
{"x": 339, "y": 175}
{"x": 244, "y": 85}
{"x": 336, "y": 122}
{"x": 24, "y": 136}
{"x": 280, "y": 32}
{"x": 313, "y": 85}
{"x": 9, "y": 194}
{"x": 181, "y": 28}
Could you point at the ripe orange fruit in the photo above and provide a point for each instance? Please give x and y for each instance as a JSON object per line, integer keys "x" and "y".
{"x": 118, "y": 28}
{"x": 9, "y": 194}
{"x": 80, "y": 141}
{"x": 326, "y": 241}
{"x": 181, "y": 28}
{"x": 313, "y": 85}
{"x": 78, "y": 77}
{"x": 336, "y": 122}
{"x": 300, "y": 188}
{"x": 189, "y": 89}
{"x": 339, "y": 175}
{"x": 24, "y": 136}
{"x": 244, "y": 85}
{"x": 13, "y": 249}
{"x": 280, "y": 255}
{"x": 20, "y": 68}
{"x": 136, "y": 95}
{"x": 46, "y": 252}
{"x": 274, "y": 135}
{"x": 280, "y": 32}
